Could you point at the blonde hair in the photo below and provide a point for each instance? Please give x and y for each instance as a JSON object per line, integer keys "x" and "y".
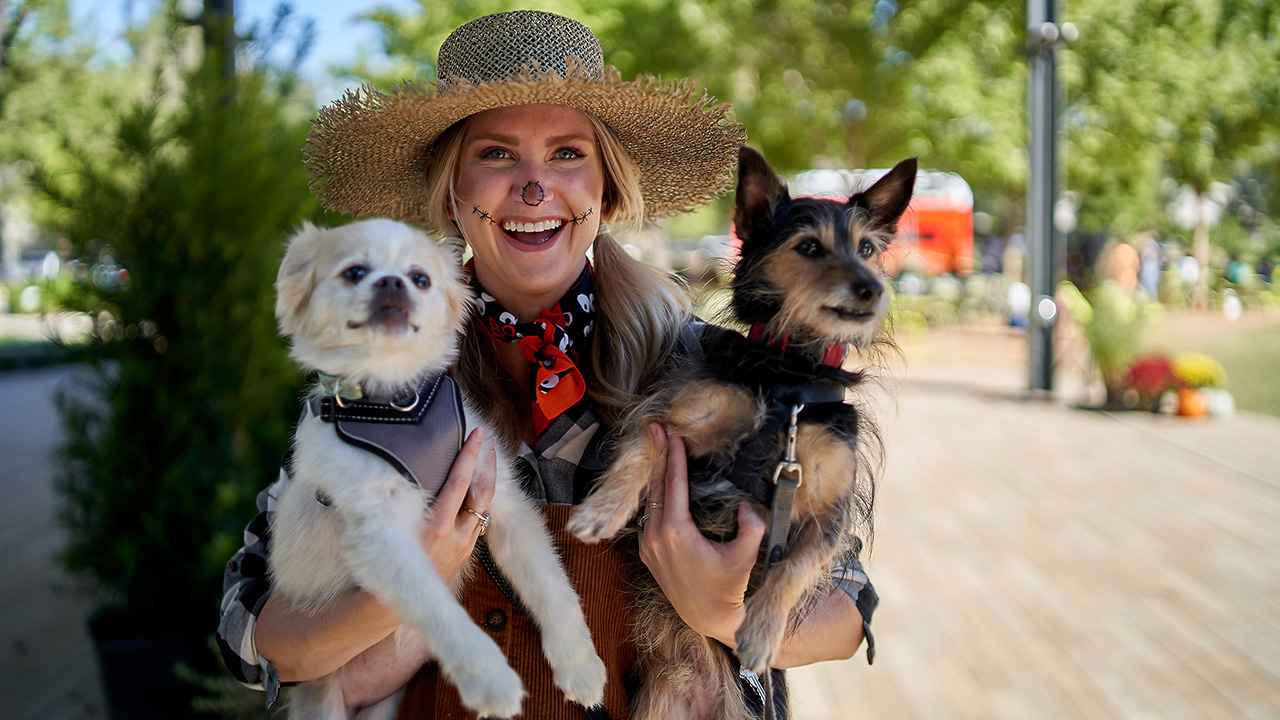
{"x": 640, "y": 309}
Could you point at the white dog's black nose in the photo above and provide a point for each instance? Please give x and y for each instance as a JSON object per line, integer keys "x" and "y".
{"x": 389, "y": 282}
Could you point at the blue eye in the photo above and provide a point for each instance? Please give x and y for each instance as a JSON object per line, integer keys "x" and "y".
{"x": 496, "y": 154}
{"x": 421, "y": 280}
{"x": 355, "y": 273}
{"x": 569, "y": 153}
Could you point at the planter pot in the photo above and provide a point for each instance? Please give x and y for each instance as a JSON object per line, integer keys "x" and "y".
{"x": 1192, "y": 403}
{"x": 1221, "y": 403}
{"x": 138, "y": 671}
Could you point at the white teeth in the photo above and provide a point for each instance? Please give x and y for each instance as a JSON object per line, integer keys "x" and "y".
{"x": 528, "y": 227}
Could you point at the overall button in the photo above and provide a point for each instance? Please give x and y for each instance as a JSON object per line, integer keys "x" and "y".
{"x": 496, "y": 620}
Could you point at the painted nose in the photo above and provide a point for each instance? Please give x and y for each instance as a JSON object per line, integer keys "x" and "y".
{"x": 532, "y": 193}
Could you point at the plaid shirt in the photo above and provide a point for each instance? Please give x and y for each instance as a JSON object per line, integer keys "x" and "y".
{"x": 559, "y": 470}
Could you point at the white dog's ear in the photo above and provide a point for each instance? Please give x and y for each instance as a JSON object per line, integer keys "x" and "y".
{"x": 297, "y": 278}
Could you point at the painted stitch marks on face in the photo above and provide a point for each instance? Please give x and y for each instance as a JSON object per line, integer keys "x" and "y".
{"x": 579, "y": 219}
{"x": 475, "y": 210}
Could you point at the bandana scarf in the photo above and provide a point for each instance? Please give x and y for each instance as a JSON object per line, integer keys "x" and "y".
{"x": 548, "y": 342}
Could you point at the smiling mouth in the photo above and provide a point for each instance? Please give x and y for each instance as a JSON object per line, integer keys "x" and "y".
{"x": 532, "y": 233}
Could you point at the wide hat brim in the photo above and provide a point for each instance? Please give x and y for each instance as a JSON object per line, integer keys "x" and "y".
{"x": 368, "y": 151}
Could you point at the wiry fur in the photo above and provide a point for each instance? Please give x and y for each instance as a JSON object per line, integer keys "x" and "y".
{"x": 387, "y": 330}
{"x": 810, "y": 272}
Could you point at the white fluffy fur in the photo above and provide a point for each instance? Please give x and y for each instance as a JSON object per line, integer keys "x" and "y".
{"x": 369, "y": 536}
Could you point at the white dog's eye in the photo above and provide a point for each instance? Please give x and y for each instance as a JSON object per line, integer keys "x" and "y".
{"x": 355, "y": 273}
{"x": 421, "y": 280}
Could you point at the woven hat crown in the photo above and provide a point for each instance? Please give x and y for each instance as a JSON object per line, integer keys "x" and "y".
{"x": 496, "y": 47}
{"x": 368, "y": 151}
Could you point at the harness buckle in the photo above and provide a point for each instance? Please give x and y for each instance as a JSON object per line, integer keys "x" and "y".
{"x": 789, "y": 468}
{"x": 788, "y": 471}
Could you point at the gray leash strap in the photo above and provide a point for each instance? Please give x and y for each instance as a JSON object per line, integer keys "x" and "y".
{"x": 786, "y": 479}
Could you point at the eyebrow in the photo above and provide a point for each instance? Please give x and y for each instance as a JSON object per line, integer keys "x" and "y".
{"x": 512, "y": 140}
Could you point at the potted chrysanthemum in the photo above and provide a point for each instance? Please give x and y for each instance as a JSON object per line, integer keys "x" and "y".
{"x": 1200, "y": 379}
{"x": 1149, "y": 378}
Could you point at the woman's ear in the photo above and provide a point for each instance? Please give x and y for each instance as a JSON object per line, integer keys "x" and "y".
{"x": 607, "y": 200}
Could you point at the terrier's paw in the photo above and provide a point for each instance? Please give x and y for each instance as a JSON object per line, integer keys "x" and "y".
{"x": 492, "y": 690}
{"x": 592, "y": 523}
{"x": 583, "y": 680}
{"x": 759, "y": 639}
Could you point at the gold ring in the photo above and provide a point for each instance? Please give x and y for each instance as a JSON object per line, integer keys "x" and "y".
{"x": 483, "y": 517}
{"x": 656, "y": 506}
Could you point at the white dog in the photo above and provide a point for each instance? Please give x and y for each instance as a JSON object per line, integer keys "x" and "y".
{"x": 379, "y": 306}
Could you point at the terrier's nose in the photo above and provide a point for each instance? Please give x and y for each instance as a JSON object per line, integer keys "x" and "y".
{"x": 868, "y": 292}
{"x": 389, "y": 282}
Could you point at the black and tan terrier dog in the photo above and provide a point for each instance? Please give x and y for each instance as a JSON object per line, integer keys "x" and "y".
{"x": 809, "y": 284}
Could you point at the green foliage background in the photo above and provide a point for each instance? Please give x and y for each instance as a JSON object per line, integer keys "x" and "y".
{"x": 188, "y": 409}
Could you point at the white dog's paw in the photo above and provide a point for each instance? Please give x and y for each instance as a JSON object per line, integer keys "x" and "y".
{"x": 594, "y": 522}
{"x": 494, "y": 690}
{"x": 582, "y": 680}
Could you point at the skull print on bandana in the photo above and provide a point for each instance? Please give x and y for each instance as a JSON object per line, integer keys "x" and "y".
{"x": 551, "y": 342}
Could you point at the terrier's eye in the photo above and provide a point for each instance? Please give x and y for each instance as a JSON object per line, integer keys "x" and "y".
{"x": 866, "y": 248}
{"x": 355, "y": 273}
{"x": 421, "y": 280}
{"x": 810, "y": 247}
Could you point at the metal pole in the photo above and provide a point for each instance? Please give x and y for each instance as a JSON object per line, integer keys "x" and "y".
{"x": 1042, "y": 118}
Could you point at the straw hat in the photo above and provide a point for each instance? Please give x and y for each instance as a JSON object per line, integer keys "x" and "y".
{"x": 368, "y": 151}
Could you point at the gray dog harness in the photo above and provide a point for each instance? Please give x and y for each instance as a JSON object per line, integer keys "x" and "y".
{"x": 418, "y": 433}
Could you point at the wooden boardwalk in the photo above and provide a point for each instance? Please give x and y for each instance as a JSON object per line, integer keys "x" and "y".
{"x": 1036, "y": 561}
{"x": 1033, "y": 561}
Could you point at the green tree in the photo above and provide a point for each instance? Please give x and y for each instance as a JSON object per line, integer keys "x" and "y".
{"x": 1188, "y": 90}
{"x": 180, "y": 225}
{"x": 55, "y": 88}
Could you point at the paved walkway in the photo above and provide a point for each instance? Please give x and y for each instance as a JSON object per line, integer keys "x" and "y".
{"x": 1033, "y": 561}
{"x": 47, "y": 670}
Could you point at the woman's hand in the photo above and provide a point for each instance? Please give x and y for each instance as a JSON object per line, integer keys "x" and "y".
{"x": 450, "y": 532}
{"x": 705, "y": 581}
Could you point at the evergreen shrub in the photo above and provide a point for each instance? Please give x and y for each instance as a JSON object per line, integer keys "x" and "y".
{"x": 190, "y": 397}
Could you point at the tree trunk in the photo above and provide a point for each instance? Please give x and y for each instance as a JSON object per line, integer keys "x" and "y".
{"x": 1200, "y": 251}
{"x": 219, "y": 33}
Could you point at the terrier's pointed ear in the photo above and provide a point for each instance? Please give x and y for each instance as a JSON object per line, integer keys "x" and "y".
{"x": 759, "y": 190}
{"x": 889, "y": 197}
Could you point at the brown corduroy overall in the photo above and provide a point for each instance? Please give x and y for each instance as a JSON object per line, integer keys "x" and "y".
{"x": 601, "y": 576}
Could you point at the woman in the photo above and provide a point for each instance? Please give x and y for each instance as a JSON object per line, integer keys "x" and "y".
{"x": 525, "y": 148}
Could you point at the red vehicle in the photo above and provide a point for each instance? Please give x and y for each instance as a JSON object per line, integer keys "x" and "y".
{"x": 935, "y": 235}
